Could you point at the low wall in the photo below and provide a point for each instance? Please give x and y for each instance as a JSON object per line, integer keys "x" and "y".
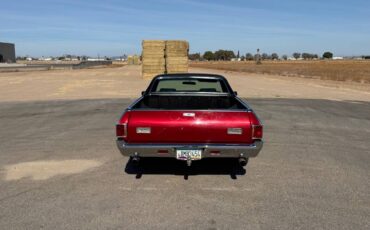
{"x": 44, "y": 67}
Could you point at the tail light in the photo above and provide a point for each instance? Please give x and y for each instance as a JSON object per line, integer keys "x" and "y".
{"x": 121, "y": 127}
{"x": 121, "y": 130}
{"x": 257, "y": 132}
{"x": 257, "y": 127}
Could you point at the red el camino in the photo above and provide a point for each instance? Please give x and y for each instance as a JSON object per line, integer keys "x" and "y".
{"x": 189, "y": 117}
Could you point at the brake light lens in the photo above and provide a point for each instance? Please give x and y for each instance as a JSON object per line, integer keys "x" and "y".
{"x": 257, "y": 127}
{"x": 121, "y": 130}
{"x": 257, "y": 132}
{"x": 121, "y": 127}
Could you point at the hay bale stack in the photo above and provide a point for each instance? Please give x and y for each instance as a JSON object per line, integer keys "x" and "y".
{"x": 130, "y": 60}
{"x": 177, "y": 56}
{"x": 161, "y": 57}
{"x": 153, "y": 60}
{"x": 133, "y": 60}
{"x": 136, "y": 60}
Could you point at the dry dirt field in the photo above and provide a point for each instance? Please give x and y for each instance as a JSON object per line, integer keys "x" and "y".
{"x": 357, "y": 71}
{"x": 60, "y": 167}
{"x": 126, "y": 82}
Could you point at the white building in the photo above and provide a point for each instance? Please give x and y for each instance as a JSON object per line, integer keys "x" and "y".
{"x": 96, "y": 59}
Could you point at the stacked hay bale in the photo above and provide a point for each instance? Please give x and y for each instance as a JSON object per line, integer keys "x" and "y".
{"x": 133, "y": 60}
{"x": 161, "y": 57}
{"x": 130, "y": 60}
{"x": 153, "y": 58}
{"x": 177, "y": 56}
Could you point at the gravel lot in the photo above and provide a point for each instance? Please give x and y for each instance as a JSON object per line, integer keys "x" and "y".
{"x": 60, "y": 168}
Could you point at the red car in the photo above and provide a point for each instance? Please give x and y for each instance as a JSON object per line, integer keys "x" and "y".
{"x": 189, "y": 117}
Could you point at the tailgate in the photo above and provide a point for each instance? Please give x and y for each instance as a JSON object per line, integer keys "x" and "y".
{"x": 189, "y": 127}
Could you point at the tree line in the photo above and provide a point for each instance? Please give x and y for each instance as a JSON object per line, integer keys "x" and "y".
{"x": 227, "y": 55}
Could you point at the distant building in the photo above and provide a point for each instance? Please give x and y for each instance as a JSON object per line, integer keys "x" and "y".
{"x": 96, "y": 59}
{"x": 338, "y": 58}
{"x": 45, "y": 59}
{"x": 7, "y": 52}
{"x": 295, "y": 59}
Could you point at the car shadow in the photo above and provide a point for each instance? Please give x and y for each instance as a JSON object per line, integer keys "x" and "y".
{"x": 171, "y": 166}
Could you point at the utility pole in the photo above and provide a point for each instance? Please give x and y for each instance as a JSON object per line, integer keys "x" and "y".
{"x": 258, "y": 57}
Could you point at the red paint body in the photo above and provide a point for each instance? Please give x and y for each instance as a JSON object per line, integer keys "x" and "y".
{"x": 175, "y": 116}
{"x": 173, "y": 127}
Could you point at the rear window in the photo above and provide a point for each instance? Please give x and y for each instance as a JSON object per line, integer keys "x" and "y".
{"x": 190, "y": 85}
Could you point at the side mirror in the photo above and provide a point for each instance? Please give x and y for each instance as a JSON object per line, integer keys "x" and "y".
{"x": 236, "y": 93}
{"x": 142, "y": 93}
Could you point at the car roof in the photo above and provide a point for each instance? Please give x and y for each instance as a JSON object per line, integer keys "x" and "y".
{"x": 190, "y": 75}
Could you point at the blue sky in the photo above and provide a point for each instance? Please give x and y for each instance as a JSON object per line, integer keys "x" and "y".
{"x": 112, "y": 27}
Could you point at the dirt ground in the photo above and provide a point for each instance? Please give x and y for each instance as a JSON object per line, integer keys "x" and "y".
{"x": 125, "y": 82}
{"x": 337, "y": 70}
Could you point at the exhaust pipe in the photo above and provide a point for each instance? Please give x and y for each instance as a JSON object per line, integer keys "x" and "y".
{"x": 243, "y": 161}
{"x": 135, "y": 160}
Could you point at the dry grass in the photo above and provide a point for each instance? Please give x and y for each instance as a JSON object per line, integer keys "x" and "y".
{"x": 357, "y": 71}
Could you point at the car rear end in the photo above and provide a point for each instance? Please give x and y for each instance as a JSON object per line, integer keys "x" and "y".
{"x": 190, "y": 127}
{"x": 189, "y": 135}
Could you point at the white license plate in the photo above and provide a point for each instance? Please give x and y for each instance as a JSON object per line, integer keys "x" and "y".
{"x": 194, "y": 154}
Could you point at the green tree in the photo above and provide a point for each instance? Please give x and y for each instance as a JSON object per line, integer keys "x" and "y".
{"x": 230, "y": 54}
{"x": 284, "y": 57}
{"x": 209, "y": 55}
{"x": 296, "y": 55}
{"x": 265, "y": 56}
{"x": 328, "y": 55}
{"x": 224, "y": 55}
{"x": 306, "y": 56}
{"x": 274, "y": 56}
{"x": 309, "y": 56}
{"x": 249, "y": 57}
{"x": 194, "y": 57}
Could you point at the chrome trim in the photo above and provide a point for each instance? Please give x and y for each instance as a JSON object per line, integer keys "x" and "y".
{"x": 184, "y": 93}
{"x": 243, "y": 103}
{"x": 190, "y": 76}
{"x": 125, "y": 130}
{"x": 226, "y": 150}
{"x": 134, "y": 103}
{"x": 196, "y": 110}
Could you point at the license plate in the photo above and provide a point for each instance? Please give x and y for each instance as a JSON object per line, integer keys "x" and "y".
{"x": 193, "y": 154}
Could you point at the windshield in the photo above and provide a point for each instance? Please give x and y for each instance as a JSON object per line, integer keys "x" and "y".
{"x": 190, "y": 85}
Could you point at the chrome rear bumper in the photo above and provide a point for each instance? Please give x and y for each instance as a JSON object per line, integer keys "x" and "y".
{"x": 208, "y": 150}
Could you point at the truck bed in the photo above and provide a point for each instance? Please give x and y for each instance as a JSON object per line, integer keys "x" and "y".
{"x": 189, "y": 103}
